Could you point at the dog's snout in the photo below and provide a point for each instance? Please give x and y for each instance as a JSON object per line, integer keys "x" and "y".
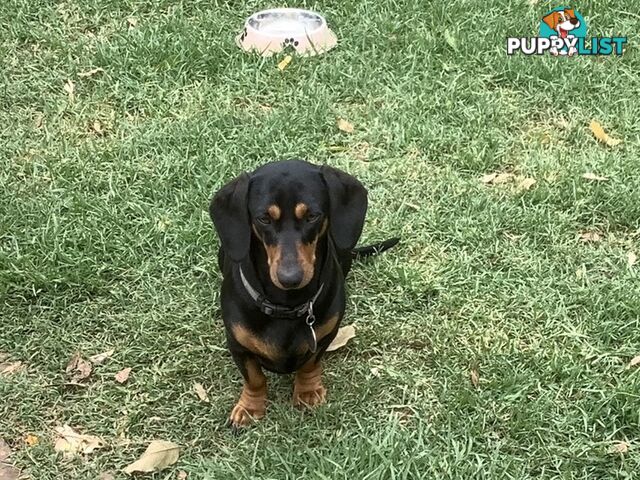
{"x": 290, "y": 276}
{"x": 575, "y": 21}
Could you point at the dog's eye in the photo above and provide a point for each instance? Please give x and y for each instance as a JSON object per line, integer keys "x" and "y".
{"x": 313, "y": 217}
{"x": 264, "y": 219}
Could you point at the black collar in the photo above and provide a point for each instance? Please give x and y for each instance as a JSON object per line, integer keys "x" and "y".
{"x": 280, "y": 311}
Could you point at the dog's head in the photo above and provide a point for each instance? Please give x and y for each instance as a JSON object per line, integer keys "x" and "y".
{"x": 562, "y": 21}
{"x": 287, "y": 206}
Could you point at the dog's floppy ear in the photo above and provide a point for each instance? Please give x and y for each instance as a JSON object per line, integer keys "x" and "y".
{"x": 552, "y": 20}
{"x": 230, "y": 215}
{"x": 348, "y": 206}
{"x": 570, "y": 12}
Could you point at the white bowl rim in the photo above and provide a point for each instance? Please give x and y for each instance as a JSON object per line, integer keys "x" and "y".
{"x": 290, "y": 10}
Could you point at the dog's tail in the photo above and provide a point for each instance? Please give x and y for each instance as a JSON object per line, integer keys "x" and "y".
{"x": 373, "y": 249}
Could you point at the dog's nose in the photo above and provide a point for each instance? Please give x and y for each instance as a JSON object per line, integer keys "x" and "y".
{"x": 574, "y": 21}
{"x": 290, "y": 277}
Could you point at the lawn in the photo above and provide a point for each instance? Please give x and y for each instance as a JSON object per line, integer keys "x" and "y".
{"x": 105, "y": 240}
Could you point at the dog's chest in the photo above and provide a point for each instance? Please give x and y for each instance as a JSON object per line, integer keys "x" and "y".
{"x": 282, "y": 343}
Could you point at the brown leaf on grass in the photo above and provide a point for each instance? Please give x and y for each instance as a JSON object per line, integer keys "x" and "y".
{"x": 90, "y": 73}
{"x": 31, "y": 440}
{"x": 159, "y": 455}
{"x": 619, "y": 447}
{"x": 344, "y": 126}
{"x": 9, "y": 472}
{"x": 5, "y": 450}
{"x": 70, "y": 88}
{"x": 106, "y": 476}
{"x": 635, "y": 361}
{"x": 78, "y": 368}
{"x": 133, "y": 22}
{"x": 39, "y": 120}
{"x": 201, "y": 392}
{"x": 474, "y": 375}
{"x": 488, "y": 178}
{"x": 96, "y": 126}
{"x": 601, "y": 135}
{"x": 70, "y": 442}
{"x": 344, "y": 335}
{"x": 526, "y": 183}
{"x": 502, "y": 178}
{"x": 594, "y": 177}
{"x": 496, "y": 178}
{"x": 632, "y": 258}
{"x": 123, "y": 375}
{"x": 9, "y": 368}
{"x": 100, "y": 358}
{"x": 182, "y": 475}
{"x": 590, "y": 237}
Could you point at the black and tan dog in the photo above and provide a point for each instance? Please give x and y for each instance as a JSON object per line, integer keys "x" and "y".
{"x": 288, "y": 233}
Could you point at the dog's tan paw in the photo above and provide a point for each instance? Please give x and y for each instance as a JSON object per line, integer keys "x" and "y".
{"x": 243, "y": 415}
{"x": 310, "y": 397}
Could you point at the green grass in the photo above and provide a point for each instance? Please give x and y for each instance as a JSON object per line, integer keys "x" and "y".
{"x": 105, "y": 240}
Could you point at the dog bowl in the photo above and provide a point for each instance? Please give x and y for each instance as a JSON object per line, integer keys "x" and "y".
{"x": 271, "y": 31}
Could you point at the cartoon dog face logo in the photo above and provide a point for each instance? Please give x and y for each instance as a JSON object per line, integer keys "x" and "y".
{"x": 562, "y": 21}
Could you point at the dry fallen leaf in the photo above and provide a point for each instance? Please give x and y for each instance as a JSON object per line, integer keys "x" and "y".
{"x": 502, "y": 178}
{"x": 344, "y": 335}
{"x": 70, "y": 88}
{"x": 78, "y": 368}
{"x": 590, "y": 237}
{"x": 97, "y": 127}
{"x": 594, "y": 177}
{"x": 9, "y": 472}
{"x": 123, "y": 375}
{"x": 527, "y": 183}
{"x": 601, "y": 135}
{"x": 635, "y": 361}
{"x": 345, "y": 126}
{"x": 201, "y": 392}
{"x": 619, "y": 447}
{"x": 133, "y": 22}
{"x": 100, "y": 358}
{"x": 182, "y": 475}
{"x": 284, "y": 63}
{"x": 632, "y": 258}
{"x": 158, "y": 455}
{"x": 90, "y": 73}
{"x": 475, "y": 377}
{"x": 70, "y": 442}
{"x": 5, "y": 450}
{"x": 39, "y": 120}
{"x": 31, "y": 440}
{"x": 496, "y": 178}
{"x": 488, "y": 178}
{"x": 106, "y": 476}
{"x": 9, "y": 368}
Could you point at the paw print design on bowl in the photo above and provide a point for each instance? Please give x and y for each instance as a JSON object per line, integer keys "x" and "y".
{"x": 290, "y": 42}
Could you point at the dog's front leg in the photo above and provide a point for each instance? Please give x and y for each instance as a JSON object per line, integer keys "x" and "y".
{"x": 253, "y": 399}
{"x": 308, "y": 390}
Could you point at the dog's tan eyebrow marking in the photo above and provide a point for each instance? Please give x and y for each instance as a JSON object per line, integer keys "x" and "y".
{"x": 301, "y": 210}
{"x": 274, "y": 212}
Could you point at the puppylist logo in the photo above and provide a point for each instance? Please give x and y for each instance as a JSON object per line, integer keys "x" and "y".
{"x": 563, "y": 31}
